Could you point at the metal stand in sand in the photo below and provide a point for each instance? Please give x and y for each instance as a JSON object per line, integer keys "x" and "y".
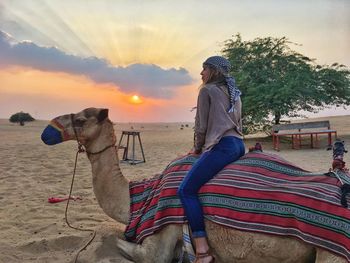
{"x": 125, "y": 158}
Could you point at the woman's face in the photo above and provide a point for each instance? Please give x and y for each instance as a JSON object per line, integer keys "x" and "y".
{"x": 205, "y": 74}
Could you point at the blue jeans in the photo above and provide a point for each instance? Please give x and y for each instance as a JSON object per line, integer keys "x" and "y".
{"x": 229, "y": 149}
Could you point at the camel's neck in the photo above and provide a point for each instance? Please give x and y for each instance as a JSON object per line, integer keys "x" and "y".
{"x": 110, "y": 186}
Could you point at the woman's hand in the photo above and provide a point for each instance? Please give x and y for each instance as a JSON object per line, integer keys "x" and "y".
{"x": 194, "y": 151}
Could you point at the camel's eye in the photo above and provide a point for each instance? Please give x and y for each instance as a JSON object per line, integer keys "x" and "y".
{"x": 79, "y": 122}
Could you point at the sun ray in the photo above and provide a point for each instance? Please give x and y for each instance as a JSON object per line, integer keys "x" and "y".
{"x": 55, "y": 28}
{"x": 66, "y": 28}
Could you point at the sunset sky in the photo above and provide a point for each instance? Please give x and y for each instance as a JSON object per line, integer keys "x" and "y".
{"x": 142, "y": 59}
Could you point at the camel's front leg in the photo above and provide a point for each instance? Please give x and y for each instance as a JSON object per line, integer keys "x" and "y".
{"x": 159, "y": 247}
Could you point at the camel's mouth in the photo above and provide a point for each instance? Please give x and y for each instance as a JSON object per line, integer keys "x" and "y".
{"x": 51, "y": 135}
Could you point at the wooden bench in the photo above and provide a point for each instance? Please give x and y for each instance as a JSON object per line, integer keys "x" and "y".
{"x": 297, "y": 130}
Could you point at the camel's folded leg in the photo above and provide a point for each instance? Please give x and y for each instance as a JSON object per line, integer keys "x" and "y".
{"x": 159, "y": 247}
{"x": 323, "y": 256}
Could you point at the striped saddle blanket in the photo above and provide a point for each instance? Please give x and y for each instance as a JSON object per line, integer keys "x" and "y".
{"x": 260, "y": 192}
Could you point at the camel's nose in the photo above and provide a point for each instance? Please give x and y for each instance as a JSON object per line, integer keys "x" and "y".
{"x": 51, "y": 136}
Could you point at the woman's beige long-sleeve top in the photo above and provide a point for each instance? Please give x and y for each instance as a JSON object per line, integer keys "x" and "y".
{"x": 212, "y": 120}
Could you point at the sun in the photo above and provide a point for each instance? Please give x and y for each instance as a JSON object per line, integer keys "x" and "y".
{"x": 135, "y": 99}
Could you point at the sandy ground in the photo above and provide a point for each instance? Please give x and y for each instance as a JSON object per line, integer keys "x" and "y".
{"x": 33, "y": 230}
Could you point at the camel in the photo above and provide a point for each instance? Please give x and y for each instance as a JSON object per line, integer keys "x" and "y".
{"x": 93, "y": 129}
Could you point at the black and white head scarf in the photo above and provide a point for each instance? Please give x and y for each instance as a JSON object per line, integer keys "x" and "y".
{"x": 223, "y": 65}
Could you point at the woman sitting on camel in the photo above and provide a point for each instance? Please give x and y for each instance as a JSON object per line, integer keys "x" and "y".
{"x": 218, "y": 138}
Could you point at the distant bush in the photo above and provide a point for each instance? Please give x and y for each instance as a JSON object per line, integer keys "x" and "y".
{"x": 21, "y": 117}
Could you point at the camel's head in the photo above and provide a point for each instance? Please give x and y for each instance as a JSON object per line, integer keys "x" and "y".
{"x": 83, "y": 126}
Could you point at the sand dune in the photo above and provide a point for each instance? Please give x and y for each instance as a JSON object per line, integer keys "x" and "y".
{"x": 33, "y": 230}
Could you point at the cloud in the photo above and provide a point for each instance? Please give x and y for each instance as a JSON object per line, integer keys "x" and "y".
{"x": 145, "y": 79}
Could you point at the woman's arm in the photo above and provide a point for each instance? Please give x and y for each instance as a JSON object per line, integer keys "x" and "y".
{"x": 201, "y": 121}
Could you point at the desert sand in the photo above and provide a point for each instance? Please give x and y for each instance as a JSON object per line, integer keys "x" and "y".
{"x": 34, "y": 230}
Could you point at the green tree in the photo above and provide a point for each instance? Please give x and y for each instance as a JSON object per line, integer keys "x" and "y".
{"x": 278, "y": 82}
{"x": 21, "y": 117}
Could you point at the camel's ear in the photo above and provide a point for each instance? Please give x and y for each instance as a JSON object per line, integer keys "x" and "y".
{"x": 102, "y": 115}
